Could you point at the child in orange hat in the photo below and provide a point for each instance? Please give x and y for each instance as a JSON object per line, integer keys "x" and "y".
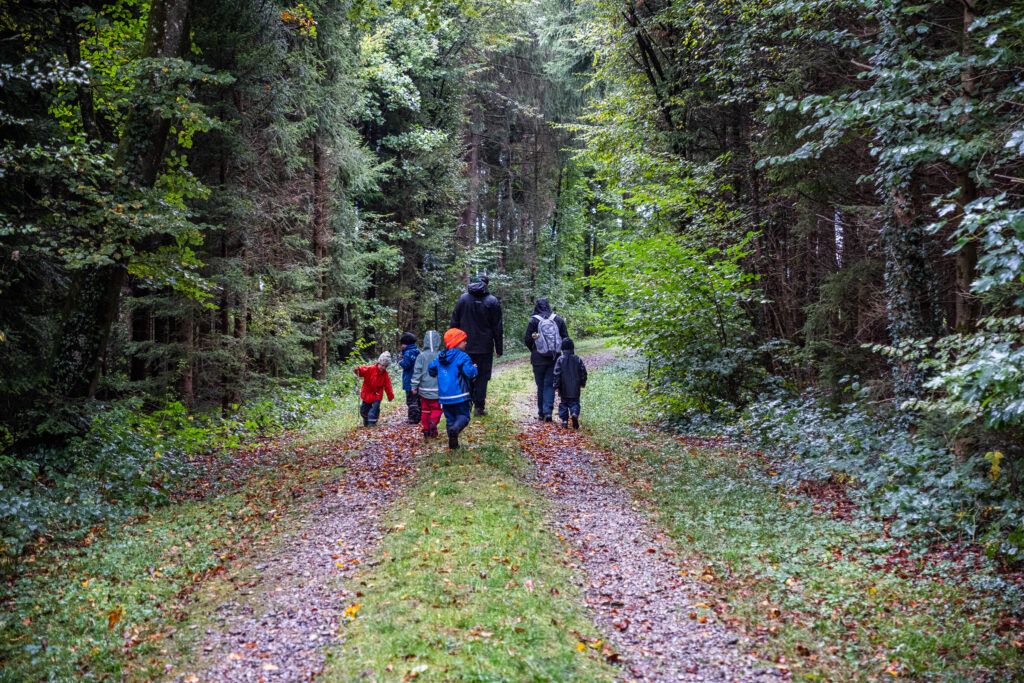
{"x": 455, "y": 372}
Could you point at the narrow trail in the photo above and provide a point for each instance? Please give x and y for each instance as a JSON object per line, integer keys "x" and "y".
{"x": 636, "y": 591}
{"x": 278, "y": 624}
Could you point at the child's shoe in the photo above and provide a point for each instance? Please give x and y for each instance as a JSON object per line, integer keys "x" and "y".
{"x": 575, "y": 422}
{"x": 565, "y": 424}
{"x": 453, "y": 440}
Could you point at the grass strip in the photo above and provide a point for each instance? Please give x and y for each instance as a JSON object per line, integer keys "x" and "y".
{"x": 469, "y": 584}
{"x": 827, "y": 598}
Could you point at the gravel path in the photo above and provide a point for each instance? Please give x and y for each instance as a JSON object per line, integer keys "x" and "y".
{"x": 277, "y": 630}
{"x": 634, "y": 587}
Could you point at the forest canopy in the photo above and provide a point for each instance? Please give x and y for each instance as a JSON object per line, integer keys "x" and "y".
{"x": 807, "y": 215}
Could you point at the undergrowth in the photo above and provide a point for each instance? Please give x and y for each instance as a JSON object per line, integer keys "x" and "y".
{"x": 130, "y": 459}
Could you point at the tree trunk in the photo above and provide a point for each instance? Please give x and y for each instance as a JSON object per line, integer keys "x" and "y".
{"x": 467, "y": 222}
{"x": 968, "y": 307}
{"x": 320, "y": 246}
{"x": 94, "y": 297}
{"x": 187, "y": 374}
{"x": 141, "y": 331}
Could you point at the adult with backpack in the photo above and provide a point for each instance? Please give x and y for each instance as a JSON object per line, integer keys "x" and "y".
{"x": 478, "y": 314}
{"x": 544, "y": 335}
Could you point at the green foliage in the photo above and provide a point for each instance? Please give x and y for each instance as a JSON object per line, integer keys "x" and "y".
{"x": 998, "y": 228}
{"x": 682, "y": 305}
{"x": 977, "y": 377}
{"x": 131, "y": 459}
{"x": 920, "y": 481}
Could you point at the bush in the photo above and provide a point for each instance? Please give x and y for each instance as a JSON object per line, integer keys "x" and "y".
{"x": 916, "y": 480}
{"x": 682, "y": 305}
{"x": 130, "y": 459}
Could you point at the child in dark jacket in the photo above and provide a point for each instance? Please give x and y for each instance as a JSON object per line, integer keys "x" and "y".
{"x": 407, "y": 362}
{"x": 454, "y": 371}
{"x": 570, "y": 377}
{"x": 376, "y": 382}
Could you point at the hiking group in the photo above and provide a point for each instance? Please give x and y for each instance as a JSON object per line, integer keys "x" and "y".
{"x": 449, "y": 375}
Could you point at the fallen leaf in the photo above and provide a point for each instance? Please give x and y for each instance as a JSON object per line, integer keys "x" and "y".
{"x": 113, "y": 617}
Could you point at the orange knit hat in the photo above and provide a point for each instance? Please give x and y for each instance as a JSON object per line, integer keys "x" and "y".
{"x": 453, "y": 337}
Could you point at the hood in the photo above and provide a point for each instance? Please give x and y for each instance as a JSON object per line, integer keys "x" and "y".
{"x": 432, "y": 341}
{"x": 568, "y": 346}
{"x": 478, "y": 289}
{"x": 447, "y": 356}
{"x": 542, "y": 308}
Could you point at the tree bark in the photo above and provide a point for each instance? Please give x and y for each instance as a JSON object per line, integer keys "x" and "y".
{"x": 188, "y": 374}
{"x": 94, "y": 298}
{"x": 467, "y": 222}
{"x": 320, "y": 248}
{"x": 968, "y": 307}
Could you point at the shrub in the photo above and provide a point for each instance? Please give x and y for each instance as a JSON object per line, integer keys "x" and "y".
{"x": 130, "y": 459}
{"x": 681, "y": 304}
{"x": 916, "y": 480}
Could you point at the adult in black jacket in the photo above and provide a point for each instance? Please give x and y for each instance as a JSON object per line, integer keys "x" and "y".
{"x": 543, "y": 364}
{"x": 478, "y": 314}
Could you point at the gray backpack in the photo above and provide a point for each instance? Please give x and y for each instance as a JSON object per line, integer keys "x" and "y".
{"x": 549, "y": 342}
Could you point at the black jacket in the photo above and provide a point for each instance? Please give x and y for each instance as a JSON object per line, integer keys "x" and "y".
{"x": 478, "y": 314}
{"x": 570, "y": 375}
{"x": 544, "y": 310}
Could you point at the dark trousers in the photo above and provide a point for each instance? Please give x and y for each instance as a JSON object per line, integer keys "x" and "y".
{"x": 484, "y": 362}
{"x": 544, "y": 375}
{"x": 456, "y": 416}
{"x": 568, "y": 407}
{"x": 412, "y": 402}
{"x": 369, "y": 412}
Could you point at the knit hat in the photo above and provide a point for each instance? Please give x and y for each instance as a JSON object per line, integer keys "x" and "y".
{"x": 384, "y": 359}
{"x": 408, "y": 338}
{"x": 568, "y": 346}
{"x": 453, "y": 337}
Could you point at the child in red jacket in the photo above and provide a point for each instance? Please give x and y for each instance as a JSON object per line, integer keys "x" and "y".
{"x": 376, "y": 382}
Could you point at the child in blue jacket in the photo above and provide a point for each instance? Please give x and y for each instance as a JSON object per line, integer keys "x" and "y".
{"x": 454, "y": 371}
{"x": 407, "y": 362}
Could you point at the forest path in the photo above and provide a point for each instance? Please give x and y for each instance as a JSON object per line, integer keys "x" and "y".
{"x": 635, "y": 590}
{"x": 286, "y": 609}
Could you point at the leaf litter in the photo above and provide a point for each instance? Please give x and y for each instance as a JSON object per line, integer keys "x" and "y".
{"x": 635, "y": 587}
{"x": 280, "y": 628}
